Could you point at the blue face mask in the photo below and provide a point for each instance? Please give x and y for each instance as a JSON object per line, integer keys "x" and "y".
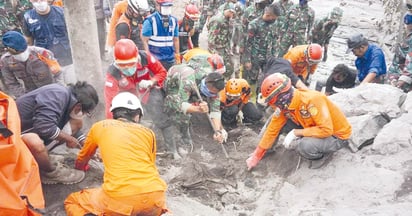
{"x": 205, "y": 90}
{"x": 129, "y": 71}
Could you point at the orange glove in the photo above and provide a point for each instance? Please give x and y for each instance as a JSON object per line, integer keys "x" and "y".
{"x": 80, "y": 166}
{"x": 254, "y": 159}
{"x": 178, "y": 58}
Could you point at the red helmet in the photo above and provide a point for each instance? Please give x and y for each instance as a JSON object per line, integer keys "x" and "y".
{"x": 216, "y": 61}
{"x": 125, "y": 52}
{"x": 165, "y": 2}
{"x": 192, "y": 12}
{"x": 234, "y": 87}
{"x": 314, "y": 53}
{"x": 273, "y": 85}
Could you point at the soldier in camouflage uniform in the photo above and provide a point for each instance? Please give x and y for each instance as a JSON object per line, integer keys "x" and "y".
{"x": 219, "y": 37}
{"x": 298, "y": 27}
{"x": 323, "y": 29}
{"x": 284, "y": 6}
{"x": 183, "y": 86}
{"x": 258, "y": 41}
{"x": 8, "y": 21}
{"x": 400, "y": 71}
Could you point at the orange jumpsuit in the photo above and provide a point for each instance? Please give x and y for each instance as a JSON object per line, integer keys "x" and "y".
{"x": 312, "y": 110}
{"x": 297, "y": 58}
{"x": 132, "y": 185}
{"x": 118, "y": 9}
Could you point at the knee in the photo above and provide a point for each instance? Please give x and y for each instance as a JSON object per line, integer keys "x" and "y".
{"x": 33, "y": 142}
{"x": 307, "y": 148}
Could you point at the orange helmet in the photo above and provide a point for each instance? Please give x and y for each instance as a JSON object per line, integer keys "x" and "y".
{"x": 234, "y": 87}
{"x": 192, "y": 12}
{"x": 273, "y": 85}
{"x": 216, "y": 61}
{"x": 125, "y": 52}
{"x": 314, "y": 52}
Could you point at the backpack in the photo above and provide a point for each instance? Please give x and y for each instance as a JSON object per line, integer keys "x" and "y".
{"x": 20, "y": 185}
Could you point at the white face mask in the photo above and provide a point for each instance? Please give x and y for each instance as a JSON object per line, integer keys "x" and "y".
{"x": 22, "y": 57}
{"x": 41, "y": 6}
{"x": 166, "y": 10}
{"x": 78, "y": 115}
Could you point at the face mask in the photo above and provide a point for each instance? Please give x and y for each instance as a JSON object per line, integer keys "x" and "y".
{"x": 129, "y": 71}
{"x": 78, "y": 115}
{"x": 166, "y": 10}
{"x": 40, "y": 6}
{"x": 205, "y": 90}
{"x": 22, "y": 57}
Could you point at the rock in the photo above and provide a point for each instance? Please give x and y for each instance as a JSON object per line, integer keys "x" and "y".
{"x": 407, "y": 105}
{"x": 364, "y": 129}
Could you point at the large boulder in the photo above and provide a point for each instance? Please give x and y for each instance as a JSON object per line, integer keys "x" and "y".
{"x": 394, "y": 136}
{"x": 370, "y": 99}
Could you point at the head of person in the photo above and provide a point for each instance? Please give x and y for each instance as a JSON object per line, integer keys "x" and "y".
{"x": 407, "y": 20}
{"x": 276, "y": 90}
{"x": 314, "y": 54}
{"x": 192, "y": 13}
{"x": 212, "y": 84}
{"x": 217, "y": 63}
{"x": 127, "y": 106}
{"x": 137, "y": 9}
{"x": 271, "y": 13}
{"x": 126, "y": 56}
{"x": 87, "y": 99}
{"x": 336, "y": 15}
{"x": 164, "y": 7}
{"x": 261, "y": 4}
{"x": 16, "y": 45}
{"x": 239, "y": 8}
{"x": 303, "y": 3}
{"x": 358, "y": 44}
{"x": 41, "y": 6}
{"x": 340, "y": 72}
{"x": 229, "y": 11}
{"x": 235, "y": 88}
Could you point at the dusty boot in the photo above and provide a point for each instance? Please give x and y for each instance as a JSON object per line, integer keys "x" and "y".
{"x": 316, "y": 164}
{"x": 170, "y": 141}
{"x": 186, "y": 137}
{"x": 62, "y": 175}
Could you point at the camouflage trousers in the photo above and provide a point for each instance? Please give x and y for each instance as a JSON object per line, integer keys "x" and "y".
{"x": 225, "y": 53}
{"x": 255, "y": 73}
{"x": 291, "y": 39}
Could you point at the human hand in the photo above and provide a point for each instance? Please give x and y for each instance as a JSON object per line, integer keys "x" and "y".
{"x": 145, "y": 84}
{"x": 203, "y": 107}
{"x": 80, "y": 166}
{"x": 248, "y": 66}
{"x": 72, "y": 142}
{"x": 178, "y": 58}
{"x": 289, "y": 143}
{"x": 220, "y": 136}
{"x": 256, "y": 156}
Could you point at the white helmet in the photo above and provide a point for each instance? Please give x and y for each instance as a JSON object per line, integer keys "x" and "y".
{"x": 139, "y": 5}
{"x": 126, "y": 100}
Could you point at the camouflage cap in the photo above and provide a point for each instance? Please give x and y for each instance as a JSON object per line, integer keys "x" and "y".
{"x": 336, "y": 14}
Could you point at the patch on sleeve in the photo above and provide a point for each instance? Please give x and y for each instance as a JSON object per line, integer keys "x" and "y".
{"x": 108, "y": 84}
{"x": 313, "y": 110}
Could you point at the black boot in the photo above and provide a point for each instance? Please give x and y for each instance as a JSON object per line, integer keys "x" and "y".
{"x": 170, "y": 141}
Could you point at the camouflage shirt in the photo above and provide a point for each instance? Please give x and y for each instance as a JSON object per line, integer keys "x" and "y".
{"x": 323, "y": 30}
{"x": 249, "y": 14}
{"x": 299, "y": 20}
{"x": 219, "y": 32}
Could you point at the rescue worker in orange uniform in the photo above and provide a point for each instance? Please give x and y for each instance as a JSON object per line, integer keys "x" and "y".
{"x": 304, "y": 60}
{"x": 132, "y": 184}
{"x": 320, "y": 127}
{"x": 130, "y": 23}
{"x": 235, "y": 104}
{"x": 118, "y": 9}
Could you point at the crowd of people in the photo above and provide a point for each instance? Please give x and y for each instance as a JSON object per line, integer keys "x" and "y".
{"x": 159, "y": 72}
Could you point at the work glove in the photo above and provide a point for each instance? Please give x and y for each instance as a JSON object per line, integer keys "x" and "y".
{"x": 80, "y": 166}
{"x": 240, "y": 117}
{"x": 145, "y": 84}
{"x": 220, "y": 136}
{"x": 224, "y": 135}
{"x": 178, "y": 58}
{"x": 256, "y": 156}
{"x": 289, "y": 142}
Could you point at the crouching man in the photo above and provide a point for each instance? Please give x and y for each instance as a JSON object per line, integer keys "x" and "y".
{"x": 323, "y": 127}
{"x": 132, "y": 185}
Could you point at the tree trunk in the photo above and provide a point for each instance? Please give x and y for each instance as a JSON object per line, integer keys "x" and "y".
{"x": 82, "y": 28}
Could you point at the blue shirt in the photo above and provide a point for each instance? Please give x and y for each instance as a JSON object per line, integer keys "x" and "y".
{"x": 373, "y": 61}
{"x": 161, "y": 38}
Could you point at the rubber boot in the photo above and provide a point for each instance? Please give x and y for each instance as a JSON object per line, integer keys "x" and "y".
{"x": 186, "y": 137}
{"x": 170, "y": 141}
